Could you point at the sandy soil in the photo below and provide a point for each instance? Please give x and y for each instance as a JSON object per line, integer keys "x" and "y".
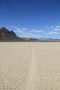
{"x": 29, "y": 66}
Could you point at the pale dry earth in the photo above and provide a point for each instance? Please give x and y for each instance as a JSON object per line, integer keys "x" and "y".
{"x": 29, "y": 66}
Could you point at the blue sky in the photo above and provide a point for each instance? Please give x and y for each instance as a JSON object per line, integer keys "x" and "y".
{"x": 31, "y": 18}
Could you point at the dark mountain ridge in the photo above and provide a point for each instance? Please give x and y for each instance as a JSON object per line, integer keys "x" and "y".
{"x": 10, "y": 36}
{"x": 6, "y": 35}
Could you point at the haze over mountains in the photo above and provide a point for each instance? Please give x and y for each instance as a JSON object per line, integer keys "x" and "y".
{"x": 6, "y": 35}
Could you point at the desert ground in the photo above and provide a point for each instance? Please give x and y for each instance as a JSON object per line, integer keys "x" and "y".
{"x": 29, "y": 66}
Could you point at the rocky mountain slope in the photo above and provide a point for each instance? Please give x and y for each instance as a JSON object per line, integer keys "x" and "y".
{"x": 6, "y": 35}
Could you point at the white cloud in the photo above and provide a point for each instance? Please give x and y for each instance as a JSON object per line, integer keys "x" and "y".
{"x": 55, "y": 30}
{"x": 21, "y": 32}
{"x": 18, "y": 30}
{"x": 24, "y": 32}
{"x": 52, "y": 32}
{"x": 36, "y": 31}
{"x": 52, "y": 27}
{"x": 36, "y": 36}
{"x": 24, "y": 29}
{"x": 15, "y": 29}
{"x": 58, "y": 26}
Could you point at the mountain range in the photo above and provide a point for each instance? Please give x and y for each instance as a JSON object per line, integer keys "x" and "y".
{"x": 10, "y": 36}
{"x": 6, "y": 35}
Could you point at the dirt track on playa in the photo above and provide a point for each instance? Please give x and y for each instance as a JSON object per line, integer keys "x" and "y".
{"x": 29, "y": 66}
